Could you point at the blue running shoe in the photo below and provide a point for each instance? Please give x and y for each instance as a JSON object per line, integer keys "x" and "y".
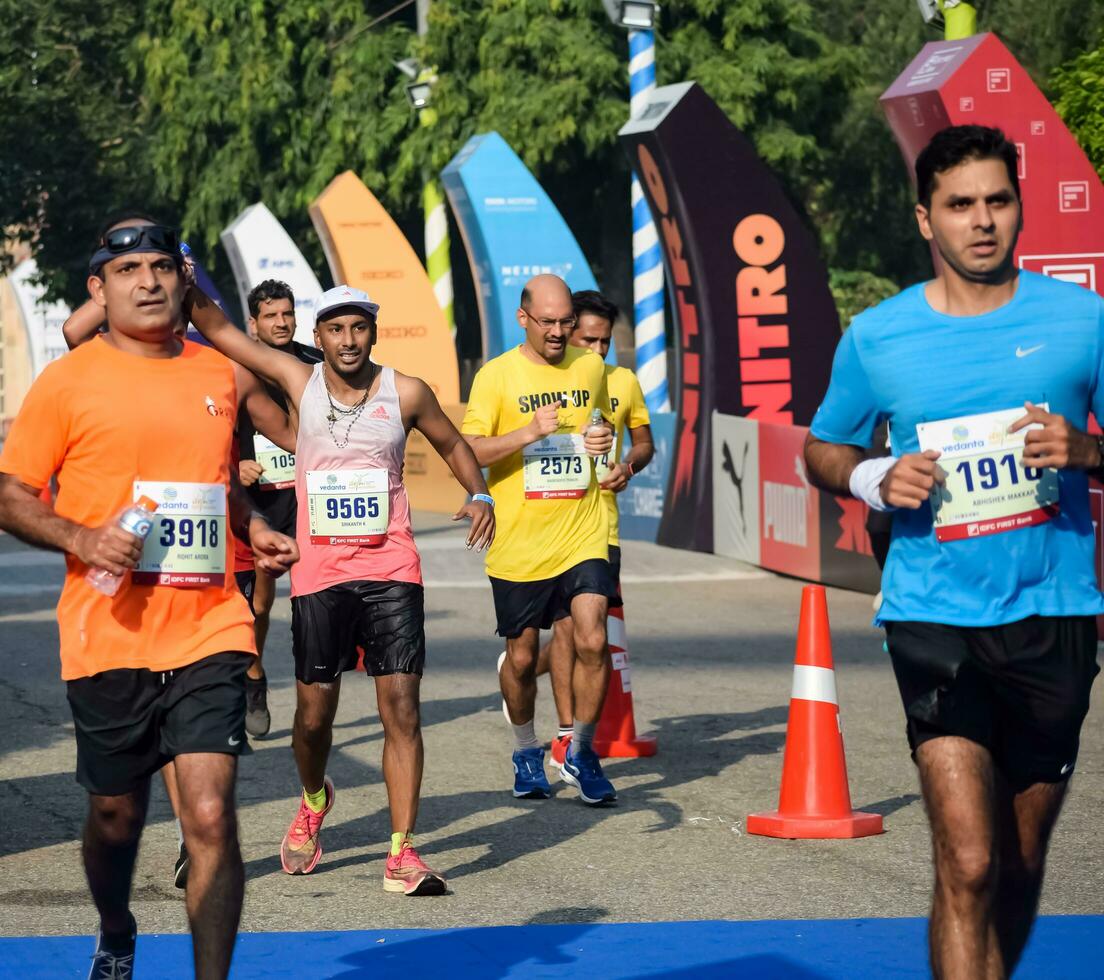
{"x": 583, "y": 771}
{"x": 530, "y": 782}
{"x": 114, "y": 964}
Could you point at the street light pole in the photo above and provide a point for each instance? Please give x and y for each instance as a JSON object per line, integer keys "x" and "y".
{"x": 438, "y": 264}
{"x": 960, "y": 19}
{"x": 648, "y": 285}
{"x": 957, "y": 17}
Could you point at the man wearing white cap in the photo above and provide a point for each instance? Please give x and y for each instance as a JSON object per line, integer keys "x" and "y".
{"x": 361, "y": 582}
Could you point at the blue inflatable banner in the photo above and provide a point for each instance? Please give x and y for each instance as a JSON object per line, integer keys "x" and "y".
{"x": 207, "y": 284}
{"x": 512, "y": 231}
{"x": 641, "y": 502}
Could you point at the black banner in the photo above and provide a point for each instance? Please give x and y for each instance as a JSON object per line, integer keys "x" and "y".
{"x": 846, "y": 553}
{"x": 755, "y": 323}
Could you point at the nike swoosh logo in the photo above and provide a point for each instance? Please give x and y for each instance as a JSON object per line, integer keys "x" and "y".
{"x": 1020, "y": 352}
{"x": 1066, "y": 768}
{"x": 234, "y": 741}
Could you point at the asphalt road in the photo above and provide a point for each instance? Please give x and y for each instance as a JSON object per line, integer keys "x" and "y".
{"x": 711, "y": 643}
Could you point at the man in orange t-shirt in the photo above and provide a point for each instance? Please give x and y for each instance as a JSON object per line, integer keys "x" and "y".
{"x": 156, "y": 672}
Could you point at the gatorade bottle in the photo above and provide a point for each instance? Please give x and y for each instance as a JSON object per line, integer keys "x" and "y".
{"x": 601, "y": 463}
{"x": 136, "y": 521}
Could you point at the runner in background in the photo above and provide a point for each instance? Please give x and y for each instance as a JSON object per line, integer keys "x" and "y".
{"x": 359, "y": 582}
{"x": 261, "y": 413}
{"x": 531, "y": 421}
{"x": 267, "y": 471}
{"x": 595, "y": 317}
{"x": 989, "y": 592}
{"x": 156, "y": 672}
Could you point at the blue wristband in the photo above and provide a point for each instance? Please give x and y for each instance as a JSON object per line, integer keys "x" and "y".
{"x": 485, "y": 498}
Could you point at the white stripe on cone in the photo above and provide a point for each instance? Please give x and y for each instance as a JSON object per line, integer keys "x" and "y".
{"x": 616, "y": 633}
{"x": 814, "y": 684}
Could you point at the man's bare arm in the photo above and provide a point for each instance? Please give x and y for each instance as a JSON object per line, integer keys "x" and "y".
{"x": 830, "y": 465}
{"x": 283, "y": 370}
{"x": 273, "y": 552}
{"x": 492, "y": 449}
{"x": 428, "y": 418}
{"x": 267, "y": 417}
{"x": 83, "y": 323}
{"x": 24, "y": 514}
{"x": 639, "y": 455}
{"x": 908, "y": 483}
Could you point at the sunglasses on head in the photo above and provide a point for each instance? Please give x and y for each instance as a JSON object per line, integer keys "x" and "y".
{"x": 129, "y": 237}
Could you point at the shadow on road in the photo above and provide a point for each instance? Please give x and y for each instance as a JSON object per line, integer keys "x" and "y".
{"x": 693, "y": 747}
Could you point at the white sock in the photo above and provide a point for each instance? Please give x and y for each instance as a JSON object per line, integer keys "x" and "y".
{"x": 582, "y": 736}
{"x": 179, "y": 834}
{"x": 525, "y": 735}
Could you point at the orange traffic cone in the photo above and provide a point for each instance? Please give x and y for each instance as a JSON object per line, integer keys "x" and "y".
{"x": 815, "y": 801}
{"x": 616, "y": 733}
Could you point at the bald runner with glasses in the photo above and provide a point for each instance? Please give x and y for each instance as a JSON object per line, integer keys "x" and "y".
{"x": 529, "y": 421}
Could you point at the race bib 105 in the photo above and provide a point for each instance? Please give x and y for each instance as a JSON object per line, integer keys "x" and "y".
{"x": 277, "y": 465}
{"x": 349, "y": 507}
{"x": 987, "y": 490}
{"x": 187, "y": 545}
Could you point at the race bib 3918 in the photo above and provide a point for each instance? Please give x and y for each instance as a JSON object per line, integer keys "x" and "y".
{"x": 186, "y": 547}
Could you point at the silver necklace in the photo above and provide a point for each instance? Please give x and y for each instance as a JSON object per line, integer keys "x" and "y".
{"x": 351, "y": 413}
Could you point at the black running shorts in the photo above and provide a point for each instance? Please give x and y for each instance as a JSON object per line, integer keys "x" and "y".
{"x": 247, "y": 584}
{"x": 521, "y": 605}
{"x": 130, "y": 722}
{"x": 385, "y": 619}
{"x": 615, "y": 573}
{"x": 1021, "y": 690}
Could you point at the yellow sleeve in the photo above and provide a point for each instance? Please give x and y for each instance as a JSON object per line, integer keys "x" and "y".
{"x": 638, "y": 408}
{"x": 601, "y": 392}
{"x": 482, "y": 414}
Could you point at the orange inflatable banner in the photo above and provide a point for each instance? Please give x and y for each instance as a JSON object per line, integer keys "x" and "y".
{"x": 366, "y": 249}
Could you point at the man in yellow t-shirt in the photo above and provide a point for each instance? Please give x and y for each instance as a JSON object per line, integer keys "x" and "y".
{"x": 595, "y": 316}
{"x": 529, "y": 420}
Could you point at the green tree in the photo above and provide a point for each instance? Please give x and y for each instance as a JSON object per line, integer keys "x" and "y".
{"x": 246, "y": 100}
{"x": 70, "y": 140}
{"x": 197, "y": 109}
{"x": 1079, "y": 87}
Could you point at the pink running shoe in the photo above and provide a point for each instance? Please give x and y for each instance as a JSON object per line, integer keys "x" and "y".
{"x": 408, "y": 873}
{"x": 302, "y": 849}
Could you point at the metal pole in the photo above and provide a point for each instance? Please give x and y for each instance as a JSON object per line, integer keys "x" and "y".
{"x": 438, "y": 264}
{"x": 959, "y": 20}
{"x": 648, "y": 287}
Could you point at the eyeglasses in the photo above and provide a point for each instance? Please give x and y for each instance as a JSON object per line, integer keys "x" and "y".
{"x": 568, "y": 322}
{"x": 129, "y": 237}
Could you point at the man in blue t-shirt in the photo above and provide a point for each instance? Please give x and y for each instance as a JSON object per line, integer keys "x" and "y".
{"x": 986, "y": 376}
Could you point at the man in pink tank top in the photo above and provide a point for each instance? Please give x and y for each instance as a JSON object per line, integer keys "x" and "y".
{"x": 360, "y": 581}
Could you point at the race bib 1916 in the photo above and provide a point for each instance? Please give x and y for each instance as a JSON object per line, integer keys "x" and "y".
{"x": 349, "y": 507}
{"x": 987, "y": 489}
{"x": 556, "y": 467}
{"x": 277, "y": 465}
{"x": 187, "y": 545}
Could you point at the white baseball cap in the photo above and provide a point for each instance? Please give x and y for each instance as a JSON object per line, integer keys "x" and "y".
{"x": 340, "y": 296}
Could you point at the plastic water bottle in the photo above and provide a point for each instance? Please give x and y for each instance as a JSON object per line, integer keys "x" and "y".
{"x": 601, "y": 463}
{"x": 134, "y": 520}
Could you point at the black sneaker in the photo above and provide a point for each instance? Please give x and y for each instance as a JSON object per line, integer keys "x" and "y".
{"x": 114, "y": 964}
{"x": 257, "y": 719}
{"x": 180, "y": 872}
